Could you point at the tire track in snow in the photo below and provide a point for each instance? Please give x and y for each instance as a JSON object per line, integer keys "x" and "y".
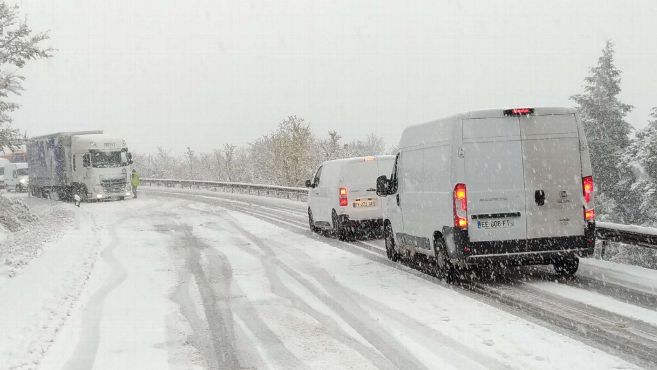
{"x": 346, "y": 308}
{"x": 217, "y": 291}
{"x": 329, "y": 323}
{"x": 350, "y": 298}
{"x": 214, "y": 288}
{"x": 271, "y": 264}
{"x": 85, "y": 351}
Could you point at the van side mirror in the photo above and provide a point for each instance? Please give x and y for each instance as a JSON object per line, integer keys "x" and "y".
{"x": 382, "y": 185}
{"x": 86, "y": 161}
{"x": 309, "y": 184}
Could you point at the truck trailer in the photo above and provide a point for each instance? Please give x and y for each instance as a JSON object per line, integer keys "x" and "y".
{"x": 90, "y": 164}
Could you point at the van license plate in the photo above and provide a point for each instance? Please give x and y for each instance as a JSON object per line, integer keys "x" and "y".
{"x": 501, "y": 223}
{"x": 365, "y": 203}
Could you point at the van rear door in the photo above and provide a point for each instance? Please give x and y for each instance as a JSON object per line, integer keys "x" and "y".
{"x": 553, "y": 175}
{"x": 494, "y": 179}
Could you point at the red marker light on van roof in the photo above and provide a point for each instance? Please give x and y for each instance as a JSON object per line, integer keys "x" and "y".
{"x": 519, "y": 112}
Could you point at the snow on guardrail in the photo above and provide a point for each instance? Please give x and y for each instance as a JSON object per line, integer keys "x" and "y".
{"x": 287, "y": 192}
{"x": 606, "y": 231}
{"x": 627, "y": 234}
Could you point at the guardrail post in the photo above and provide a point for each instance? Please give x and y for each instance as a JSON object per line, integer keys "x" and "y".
{"x": 603, "y": 248}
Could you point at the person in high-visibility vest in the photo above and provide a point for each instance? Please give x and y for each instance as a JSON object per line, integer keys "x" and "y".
{"x": 135, "y": 181}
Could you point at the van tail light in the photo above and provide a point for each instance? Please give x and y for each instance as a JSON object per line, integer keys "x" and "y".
{"x": 460, "y": 206}
{"x": 589, "y": 214}
{"x": 587, "y": 191}
{"x": 344, "y": 201}
{"x": 587, "y": 188}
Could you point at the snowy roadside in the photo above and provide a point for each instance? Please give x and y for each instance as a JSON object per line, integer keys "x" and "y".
{"x": 45, "y": 268}
{"x": 26, "y": 225}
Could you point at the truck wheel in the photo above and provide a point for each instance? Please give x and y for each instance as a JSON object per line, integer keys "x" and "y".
{"x": 388, "y": 236}
{"x": 567, "y": 266}
{"x": 442, "y": 267}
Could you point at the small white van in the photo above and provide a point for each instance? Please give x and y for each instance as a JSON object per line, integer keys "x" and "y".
{"x": 3, "y": 165}
{"x": 492, "y": 187}
{"x": 342, "y": 195}
{"x": 17, "y": 177}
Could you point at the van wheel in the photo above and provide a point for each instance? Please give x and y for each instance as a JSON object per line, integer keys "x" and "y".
{"x": 388, "y": 236}
{"x": 442, "y": 267}
{"x": 311, "y": 221}
{"x": 339, "y": 230}
{"x": 567, "y": 266}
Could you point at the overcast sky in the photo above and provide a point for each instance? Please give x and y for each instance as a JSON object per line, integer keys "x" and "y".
{"x": 202, "y": 73}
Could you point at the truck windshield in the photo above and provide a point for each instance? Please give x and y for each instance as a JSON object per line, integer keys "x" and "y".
{"x": 21, "y": 172}
{"x": 100, "y": 159}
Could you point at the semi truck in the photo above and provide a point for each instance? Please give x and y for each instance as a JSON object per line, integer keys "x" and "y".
{"x": 90, "y": 164}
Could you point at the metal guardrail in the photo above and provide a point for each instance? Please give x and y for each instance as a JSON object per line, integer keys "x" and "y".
{"x": 607, "y": 232}
{"x": 285, "y": 192}
{"x": 627, "y": 234}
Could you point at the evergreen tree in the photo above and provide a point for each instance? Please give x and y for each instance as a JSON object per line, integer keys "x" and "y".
{"x": 603, "y": 117}
{"x": 641, "y": 157}
{"x": 649, "y": 137}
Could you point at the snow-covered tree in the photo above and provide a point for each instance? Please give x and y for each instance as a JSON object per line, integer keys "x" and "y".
{"x": 641, "y": 157}
{"x": 229, "y": 161}
{"x": 649, "y": 138}
{"x": 372, "y": 145}
{"x": 292, "y": 146}
{"x": 330, "y": 147}
{"x": 603, "y": 116}
{"x": 18, "y": 45}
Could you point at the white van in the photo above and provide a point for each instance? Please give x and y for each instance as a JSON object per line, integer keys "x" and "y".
{"x": 342, "y": 195}
{"x": 3, "y": 165}
{"x": 494, "y": 186}
{"x": 17, "y": 177}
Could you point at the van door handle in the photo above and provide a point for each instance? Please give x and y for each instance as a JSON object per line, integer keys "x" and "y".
{"x": 539, "y": 197}
{"x": 398, "y": 200}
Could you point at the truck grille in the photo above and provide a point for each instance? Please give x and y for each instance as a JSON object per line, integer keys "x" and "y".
{"x": 117, "y": 185}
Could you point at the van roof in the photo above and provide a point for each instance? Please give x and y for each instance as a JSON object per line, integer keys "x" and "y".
{"x": 440, "y": 130}
{"x": 357, "y": 159}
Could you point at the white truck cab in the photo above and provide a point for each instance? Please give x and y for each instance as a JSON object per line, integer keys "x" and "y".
{"x": 342, "y": 195}
{"x": 492, "y": 187}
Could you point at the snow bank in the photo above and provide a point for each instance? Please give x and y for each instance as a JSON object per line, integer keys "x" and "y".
{"x": 14, "y": 214}
{"x": 25, "y": 225}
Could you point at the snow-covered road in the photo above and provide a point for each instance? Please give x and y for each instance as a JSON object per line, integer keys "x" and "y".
{"x": 179, "y": 279}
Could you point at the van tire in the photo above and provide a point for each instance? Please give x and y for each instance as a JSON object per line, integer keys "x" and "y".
{"x": 311, "y": 221}
{"x": 442, "y": 267}
{"x": 567, "y": 266}
{"x": 339, "y": 230}
{"x": 388, "y": 237}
